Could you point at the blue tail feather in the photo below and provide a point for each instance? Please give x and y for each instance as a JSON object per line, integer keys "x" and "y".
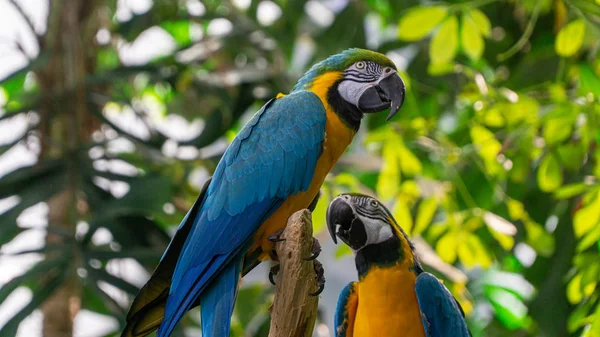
{"x": 216, "y": 304}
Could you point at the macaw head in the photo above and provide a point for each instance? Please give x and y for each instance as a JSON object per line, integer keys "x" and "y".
{"x": 369, "y": 229}
{"x": 355, "y": 82}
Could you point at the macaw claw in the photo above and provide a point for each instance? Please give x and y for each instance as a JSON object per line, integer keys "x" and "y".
{"x": 273, "y": 272}
{"x": 276, "y": 237}
{"x": 320, "y": 276}
{"x": 316, "y": 250}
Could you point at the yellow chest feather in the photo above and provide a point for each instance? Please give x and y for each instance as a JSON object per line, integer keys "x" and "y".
{"x": 387, "y": 304}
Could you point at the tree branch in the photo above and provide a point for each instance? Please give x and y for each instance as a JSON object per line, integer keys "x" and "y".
{"x": 294, "y": 311}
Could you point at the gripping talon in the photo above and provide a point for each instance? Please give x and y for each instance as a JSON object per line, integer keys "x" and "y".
{"x": 272, "y": 273}
{"x": 319, "y": 291}
{"x": 320, "y": 276}
{"x": 316, "y": 250}
{"x": 276, "y": 237}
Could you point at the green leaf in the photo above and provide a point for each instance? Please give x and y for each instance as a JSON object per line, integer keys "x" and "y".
{"x": 39, "y": 188}
{"x": 14, "y": 84}
{"x": 549, "y": 175}
{"x": 425, "y": 214}
{"x": 487, "y": 146}
{"x": 525, "y": 110}
{"x": 595, "y": 327}
{"x": 39, "y": 296}
{"x": 588, "y": 240}
{"x": 446, "y": 247}
{"x": 572, "y": 155}
{"x": 401, "y": 213}
{"x": 587, "y": 217}
{"x": 420, "y": 21}
{"x": 571, "y": 190}
{"x": 482, "y": 21}
{"x": 33, "y": 274}
{"x": 409, "y": 163}
{"x": 107, "y": 301}
{"x": 576, "y": 292}
{"x": 557, "y": 130}
{"x": 444, "y": 45}
{"x": 472, "y": 252}
{"x": 18, "y": 181}
{"x": 439, "y": 69}
{"x": 180, "y": 30}
{"x": 538, "y": 238}
{"x": 389, "y": 178}
{"x": 514, "y": 283}
{"x": 589, "y": 81}
{"x": 471, "y": 39}
{"x": 509, "y": 309}
{"x": 570, "y": 38}
{"x": 103, "y": 275}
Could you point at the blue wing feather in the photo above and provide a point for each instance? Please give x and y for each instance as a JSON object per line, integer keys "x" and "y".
{"x": 344, "y": 314}
{"x": 250, "y": 182}
{"x": 440, "y": 312}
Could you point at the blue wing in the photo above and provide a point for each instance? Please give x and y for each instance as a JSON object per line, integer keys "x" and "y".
{"x": 346, "y": 311}
{"x": 440, "y": 312}
{"x": 272, "y": 158}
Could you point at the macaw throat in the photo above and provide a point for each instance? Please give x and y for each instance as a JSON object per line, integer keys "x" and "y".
{"x": 382, "y": 254}
{"x": 349, "y": 113}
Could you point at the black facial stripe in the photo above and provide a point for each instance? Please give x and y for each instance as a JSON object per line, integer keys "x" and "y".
{"x": 373, "y": 68}
{"x": 361, "y": 77}
{"x": 358, "y": 81}
{"x": 371, "y": 215}
{"x": 360, "y": 73}
{"x": 372, "y": 71}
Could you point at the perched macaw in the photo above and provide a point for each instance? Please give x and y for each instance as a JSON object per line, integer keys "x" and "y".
{"x": 273, "y": 168}
{"x": 393, "y": 297}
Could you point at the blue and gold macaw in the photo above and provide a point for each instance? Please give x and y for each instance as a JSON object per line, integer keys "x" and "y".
{"x": 273, "y": 168}
{"x": 393, "y": 296}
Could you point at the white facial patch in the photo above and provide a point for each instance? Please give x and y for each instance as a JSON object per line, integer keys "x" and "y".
{"x": 351, "y": 91}
{"x": 377, "y": 231}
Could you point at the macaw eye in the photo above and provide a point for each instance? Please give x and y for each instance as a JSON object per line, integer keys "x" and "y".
{"x": 360, "y": 65}
{"x": 374, "y": 203}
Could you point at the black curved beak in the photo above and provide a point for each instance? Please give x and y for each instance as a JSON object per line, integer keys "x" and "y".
{"x": 343, "y": 223}
{"x": 389, "y": 92}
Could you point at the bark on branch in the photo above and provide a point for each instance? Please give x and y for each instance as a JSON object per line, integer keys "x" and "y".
{"x": 294, "y": 310}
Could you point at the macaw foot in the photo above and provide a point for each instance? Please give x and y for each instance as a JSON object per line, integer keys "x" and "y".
{"x": 316, "y": 250}
{"x": 320, "y": 276}
{"x": 276, "y": 237}
{"x": 273, "y": 272}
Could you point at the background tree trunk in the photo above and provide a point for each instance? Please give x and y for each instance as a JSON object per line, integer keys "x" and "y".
{"x": 66, "y": 123}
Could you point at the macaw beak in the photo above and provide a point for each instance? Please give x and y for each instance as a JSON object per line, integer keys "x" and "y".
{"x": 388, "y": 92}
{"x": 343, "y": 223}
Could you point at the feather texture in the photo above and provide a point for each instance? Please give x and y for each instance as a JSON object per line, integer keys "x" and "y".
{"x": 346, "y": 311}
{"x": 440, "y": 313}
{"x": 283, "y": 141}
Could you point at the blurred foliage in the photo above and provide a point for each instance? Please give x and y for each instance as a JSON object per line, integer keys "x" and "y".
{"x": 493, "y": 160}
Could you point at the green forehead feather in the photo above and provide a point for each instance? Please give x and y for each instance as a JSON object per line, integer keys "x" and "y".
{"x": 341, "y": 61}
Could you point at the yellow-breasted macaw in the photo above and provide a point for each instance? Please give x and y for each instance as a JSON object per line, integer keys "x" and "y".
{"x": 273, "y": 168}
{"x": 393, "y": 296}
